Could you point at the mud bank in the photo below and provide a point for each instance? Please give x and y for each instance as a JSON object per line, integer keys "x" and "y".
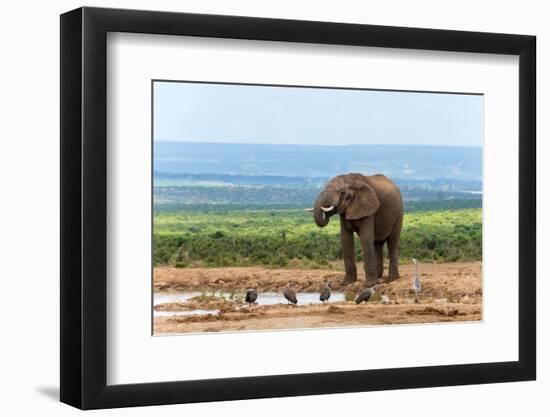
{"x": 450, "y": 292}
{"x": 453, "y": 278}
{"x": 316, "y": 316}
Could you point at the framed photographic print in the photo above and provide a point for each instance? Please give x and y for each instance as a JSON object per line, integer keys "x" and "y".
{"x": 257, "y": 207}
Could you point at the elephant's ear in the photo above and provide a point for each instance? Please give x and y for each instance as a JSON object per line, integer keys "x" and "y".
{"x": 364, "y": 202}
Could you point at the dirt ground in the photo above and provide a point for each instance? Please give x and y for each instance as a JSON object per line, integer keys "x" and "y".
{"x": 450, "y": 292}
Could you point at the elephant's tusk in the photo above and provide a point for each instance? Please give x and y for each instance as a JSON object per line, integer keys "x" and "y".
{"x": 309, "y": 209}
{"x": 327, "y": 209}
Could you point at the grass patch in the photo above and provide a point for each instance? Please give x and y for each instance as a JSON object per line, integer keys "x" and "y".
{"x": 289, "y": 238}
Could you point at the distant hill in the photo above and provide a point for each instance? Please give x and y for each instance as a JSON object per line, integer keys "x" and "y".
{"x": 170, "y": 179}
{"x": 317, "y": 162}
{"x": 184, "y": 178}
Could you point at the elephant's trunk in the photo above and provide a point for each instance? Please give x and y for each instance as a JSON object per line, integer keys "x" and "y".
{"x": 321, "y": 216}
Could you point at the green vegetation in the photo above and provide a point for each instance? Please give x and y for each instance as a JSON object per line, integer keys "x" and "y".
{"x": 230, "y": 204}
{"x": 275, "y": 236}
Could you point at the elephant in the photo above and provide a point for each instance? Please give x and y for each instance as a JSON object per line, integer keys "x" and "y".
{"x": 370, "y": 206}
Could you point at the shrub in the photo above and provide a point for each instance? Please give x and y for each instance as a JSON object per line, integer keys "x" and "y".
{"x": 256, "y": 237}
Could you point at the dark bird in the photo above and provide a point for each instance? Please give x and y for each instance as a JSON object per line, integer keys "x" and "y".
{"x": 325, "y": 293}
{"x": 365, "y": 295}
{"x": 251, "y": 296}
{"x": 289, "y": 294}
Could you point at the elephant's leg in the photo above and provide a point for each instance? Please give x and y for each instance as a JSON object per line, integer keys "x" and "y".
{"x": 366, "y": 233}
{"x": 393, "y": 249}
{"x": 379, "y": 249}
{"x": 348, "y": 252}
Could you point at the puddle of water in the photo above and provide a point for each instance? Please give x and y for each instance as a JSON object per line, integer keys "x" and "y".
{"x": 185, "y": 313}
{"x": 264, "y": 298}
{"x": 177, "y": 297}
{"x": 270, "y": 298}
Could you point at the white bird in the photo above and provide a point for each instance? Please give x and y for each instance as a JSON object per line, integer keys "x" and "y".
{"x": 417, "y": 286}
{"x": 385, "y": 299}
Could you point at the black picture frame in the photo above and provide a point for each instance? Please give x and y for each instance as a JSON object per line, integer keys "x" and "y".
{"x": 84, "y": 207}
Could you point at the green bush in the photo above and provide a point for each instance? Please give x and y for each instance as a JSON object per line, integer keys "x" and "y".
{"x": 290, "y": 237}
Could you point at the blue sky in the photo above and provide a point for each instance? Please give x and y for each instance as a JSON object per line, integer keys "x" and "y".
{"x": 191, "y": 112}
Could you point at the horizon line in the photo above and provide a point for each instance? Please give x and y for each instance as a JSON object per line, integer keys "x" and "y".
{"x": 300, "y": 176}
{"x": 313, "y": 145}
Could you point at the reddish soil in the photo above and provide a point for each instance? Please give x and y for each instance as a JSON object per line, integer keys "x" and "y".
{"x": 450, "y": 292}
